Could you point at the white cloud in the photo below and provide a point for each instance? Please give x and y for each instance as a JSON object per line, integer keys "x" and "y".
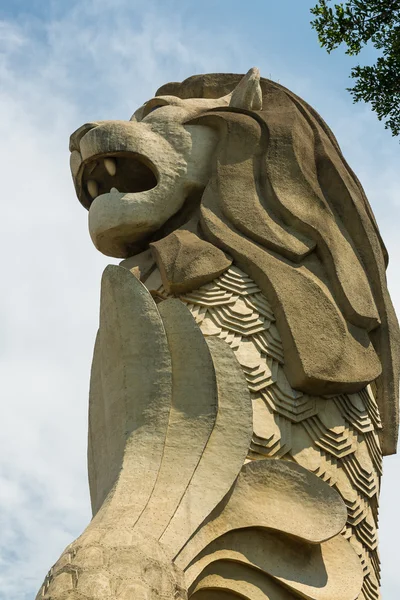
{"x": 92, "y": 63}
{"x": 99, "y": 60}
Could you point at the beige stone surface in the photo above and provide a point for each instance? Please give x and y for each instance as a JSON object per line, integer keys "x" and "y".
{"x": 136, "y": 379}
{"x": 141, "y": 265}
{"x": 192, "y": 417}
{"x": 325, "y": 354}
{"x": 327, "y": 436}
{"x": 303, "y": 228}
{"x": 302, "y": 160}
{"x": 233, "y": 429}
{"x": 272, "y": 494}
{"x": 245, "y": 374}
{"x": 314, "y": 571}
{"x": 243, "y": 582}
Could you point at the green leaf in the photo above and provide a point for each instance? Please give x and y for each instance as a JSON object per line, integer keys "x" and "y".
{"x": 358, "y": 23}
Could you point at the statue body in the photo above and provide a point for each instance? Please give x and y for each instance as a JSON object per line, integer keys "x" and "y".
{"x": 245, "y": 374}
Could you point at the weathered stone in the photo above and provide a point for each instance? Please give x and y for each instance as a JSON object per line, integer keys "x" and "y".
{"x": 186, "y": 262}
{"x": 235, "y": 428}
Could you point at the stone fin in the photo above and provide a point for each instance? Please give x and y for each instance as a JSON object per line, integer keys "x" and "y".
{"x": 272, "y": 494}
{"x": 316, "y": 572}
{"x": 216, "y": 472}
{"x": 137, "y": 389}
{"x": 187, "y": 262}
{"x": 192, "y": 416}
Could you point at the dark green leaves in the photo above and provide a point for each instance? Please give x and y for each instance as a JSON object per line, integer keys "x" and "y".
{"x": 357, "y": 23}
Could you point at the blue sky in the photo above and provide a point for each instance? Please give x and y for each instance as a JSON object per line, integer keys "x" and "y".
{"x": 64, "y": 63}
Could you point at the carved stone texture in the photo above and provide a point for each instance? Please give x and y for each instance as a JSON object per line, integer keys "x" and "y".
{"x": 245, "y": 374}
{"x": 335, "y": 438}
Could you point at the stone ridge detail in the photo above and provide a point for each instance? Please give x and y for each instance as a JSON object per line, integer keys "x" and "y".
{"x": 334, "y": 437}
{"x": 244, "y": 383}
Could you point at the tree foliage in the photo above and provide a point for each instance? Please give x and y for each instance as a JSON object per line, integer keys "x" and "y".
{"x": 356, "y": 23}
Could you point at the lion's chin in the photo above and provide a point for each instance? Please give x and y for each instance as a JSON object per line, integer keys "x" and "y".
{"x": 121, "y": 225}
{"x": 120, "y": 244}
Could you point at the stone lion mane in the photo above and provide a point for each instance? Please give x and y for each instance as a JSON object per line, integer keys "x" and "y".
{"x": 284, "y": 204}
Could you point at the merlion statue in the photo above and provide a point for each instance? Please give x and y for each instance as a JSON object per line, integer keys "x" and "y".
{"x": 245, "y": 374}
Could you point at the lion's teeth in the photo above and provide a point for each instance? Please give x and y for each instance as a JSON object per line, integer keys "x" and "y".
{"x": 111, "y": 166}
{"x": 114, "y": 189}
{"x": 93, "y": 188}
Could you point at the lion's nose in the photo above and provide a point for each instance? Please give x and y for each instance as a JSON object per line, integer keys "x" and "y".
{"x": 78, "y": 135}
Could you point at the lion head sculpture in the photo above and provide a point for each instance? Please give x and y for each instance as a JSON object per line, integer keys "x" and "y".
{"x": 223, "y": 168}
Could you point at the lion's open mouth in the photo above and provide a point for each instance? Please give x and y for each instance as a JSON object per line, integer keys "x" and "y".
{"x": 126, "y": 172}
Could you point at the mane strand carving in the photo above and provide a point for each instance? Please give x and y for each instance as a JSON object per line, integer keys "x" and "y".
{"x": 310, "y": 191}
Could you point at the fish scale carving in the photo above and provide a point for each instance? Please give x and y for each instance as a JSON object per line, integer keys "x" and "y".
{"x": 334, "y": 437}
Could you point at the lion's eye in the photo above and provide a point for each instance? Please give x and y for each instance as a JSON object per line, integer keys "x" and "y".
{"x": 153, "y": 108}
{"x": 150, "y": 107}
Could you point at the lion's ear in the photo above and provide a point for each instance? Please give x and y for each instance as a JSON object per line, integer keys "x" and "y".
{"x": 247, "y": 94}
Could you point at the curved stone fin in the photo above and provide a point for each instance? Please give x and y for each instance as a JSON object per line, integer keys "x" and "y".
{"x": 278, "y": 495}
{"x": 192, "y": 417}
{"x": 316, "y": 572}
{"x": 242, "y": 580}
{"x": 217, "y": 469}
{"x": 137, "y": 389}
{"x": 98, "y": 455}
